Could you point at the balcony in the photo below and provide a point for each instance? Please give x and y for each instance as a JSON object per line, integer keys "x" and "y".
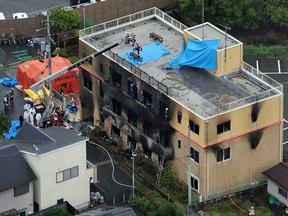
{"x": 146, "y": 141}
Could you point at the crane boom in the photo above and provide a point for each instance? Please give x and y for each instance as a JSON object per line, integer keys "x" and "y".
{"x": 39, "y": 85}
{"x": 49, "y": 105}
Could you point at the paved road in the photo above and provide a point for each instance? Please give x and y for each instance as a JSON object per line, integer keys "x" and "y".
{"x": 28, "y": 6}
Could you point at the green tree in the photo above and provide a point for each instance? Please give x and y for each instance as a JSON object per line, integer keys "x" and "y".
{"x": 245, "y": 14}
{"x": 277, "y": 10}
{"x": 64, "y": 19}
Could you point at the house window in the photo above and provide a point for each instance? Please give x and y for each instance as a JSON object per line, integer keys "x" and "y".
{"x": 194, "y": 155}
{"x": 282, "y": 192}
{"x": 194, "y": 127}
{"x": 20, "y": 190}
{"x": 179, "y": 144}
{"x": 223, "y": 154}
{"x": 221, "y": 128}
{"x": 87, "y": 83}
{"x": 194, "y": 184}
{"x": 67, "y": 174}
{"x": 116, "y": 107}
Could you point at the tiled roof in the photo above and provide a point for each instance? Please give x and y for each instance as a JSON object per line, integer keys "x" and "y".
{"x": 279, "y": 174}
{"x": 14, "y": 170}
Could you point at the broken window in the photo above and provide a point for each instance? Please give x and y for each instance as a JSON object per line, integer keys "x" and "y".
{"x": 194, "y": 154}
{"x": 163, "y": 110}
{"x": 132, "y": 117}
{"x": 223, "y": 154}
{"x": 116, "y": 79}
{"x": 194, "y": 183}
{"x": 146, "y": 100}
{"x": 116, "y": 107}
{"x": 132, "y": 89}
{"x": 87, "y": 83}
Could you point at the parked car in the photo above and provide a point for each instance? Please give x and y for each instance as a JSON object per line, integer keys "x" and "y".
{"x": 2, "y": 17}
{"x": 19, "y": 15}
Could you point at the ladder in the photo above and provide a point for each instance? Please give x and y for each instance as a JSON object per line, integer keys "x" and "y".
{"x": 160, "y": 169}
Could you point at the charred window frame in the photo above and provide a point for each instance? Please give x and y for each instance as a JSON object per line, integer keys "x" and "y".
{"x": 132, "y": 89}
{"x": 116, "y": 78}
{"x": 223, "y": 154}
{"x": 179, "y": 117}
{"x": 194, "y": 127}
{"x": 223, "y": 127}
{"x": 84, "y": 53}
{"x": 146, "y": 100}
{"x": 194, "y": 155}
{"x": 132, "y": 118}
{"x": 116, "y": 107}
{"x": 87, "y": 83}
{"x": 163, "y": 110}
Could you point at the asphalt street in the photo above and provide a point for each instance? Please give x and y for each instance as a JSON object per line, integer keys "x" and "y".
{"x": 28, "y": 6}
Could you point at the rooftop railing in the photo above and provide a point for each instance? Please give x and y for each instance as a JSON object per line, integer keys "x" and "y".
{"x": 85, "y": 34}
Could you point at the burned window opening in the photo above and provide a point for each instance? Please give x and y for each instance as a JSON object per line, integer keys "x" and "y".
{"x": 116, "y": 131}
{"x": 221, "y": 128}
{"x": 116, "y": 79}
{"x": 254, "y": 139}
{"x": 101, "y": 67}
{"x": 116, "y": 107}
{"x": 163, "y": 110}
{"x": 132, "y": 89}
{"x": 146, "y": 100}
{"x": 255, "y": 112}
{"x": 132, "y": 118}
{"x": 194, "y": 127}
{"x": 87, "y": 83}
{"x": 147, "y": 129}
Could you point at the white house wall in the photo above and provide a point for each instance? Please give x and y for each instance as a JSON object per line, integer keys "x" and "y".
{"x": 75, "y": 190}
{"x": 272, "y": 189}
{"x": 25, "y": 201}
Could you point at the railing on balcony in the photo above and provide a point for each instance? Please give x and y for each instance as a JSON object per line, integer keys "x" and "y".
{"x": 85, "y": 34}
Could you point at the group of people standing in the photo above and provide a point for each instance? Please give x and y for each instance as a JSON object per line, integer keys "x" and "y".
{"x": 30, "y": 115}
{"x": 8, "y": 98}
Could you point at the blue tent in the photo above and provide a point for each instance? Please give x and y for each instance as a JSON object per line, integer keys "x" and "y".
{"x": 200, "y": 54}
{"x": 9, "y": 81}
{"x": 15, "y": 124}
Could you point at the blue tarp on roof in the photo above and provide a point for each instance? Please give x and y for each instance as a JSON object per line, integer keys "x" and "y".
{"x": 9, "y": 81}
{"x": 149, "y": 53}
{"x": 15, "y": 124}
{"x": 200, "y": 54}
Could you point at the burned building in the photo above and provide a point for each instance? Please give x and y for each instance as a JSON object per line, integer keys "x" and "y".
{"x": 183, "y": 82}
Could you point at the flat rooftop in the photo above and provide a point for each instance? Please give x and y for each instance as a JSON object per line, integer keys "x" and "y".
{"x": 194, "y": 88}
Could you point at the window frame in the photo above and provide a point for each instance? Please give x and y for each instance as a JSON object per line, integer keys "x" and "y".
{"x": 179, "y": 143}
{"x": 224, "y": 127}
{"x": 68, "y": 173}
{"x": 223, "y": 151}
{"x": 194, "y": 127}
{"x": 283, "y": 193}
{"x": 195, "y": 180}
{"x": 194, "y": 155}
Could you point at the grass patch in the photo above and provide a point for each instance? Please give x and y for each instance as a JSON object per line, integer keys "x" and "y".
{"x": 266, "y": 51}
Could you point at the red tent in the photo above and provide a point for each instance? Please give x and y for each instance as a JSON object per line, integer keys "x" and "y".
{"x": 33, "y": 71}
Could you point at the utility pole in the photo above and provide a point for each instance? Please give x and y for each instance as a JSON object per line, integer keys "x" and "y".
{"x": 133, "y": 175}
{"x": 48, "y": 49}
{"x": 189, "y": 172}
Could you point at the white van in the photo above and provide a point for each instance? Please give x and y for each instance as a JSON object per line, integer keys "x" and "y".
{"x": 2, "y": 17}
{"x": 19, "y": 15}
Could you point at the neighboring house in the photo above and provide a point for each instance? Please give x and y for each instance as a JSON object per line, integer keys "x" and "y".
{"x": 233, "y": 111}
{"x": 16, "y": 182}
{"x": 277, "y": 183}
{"x": 58, "y": 158}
